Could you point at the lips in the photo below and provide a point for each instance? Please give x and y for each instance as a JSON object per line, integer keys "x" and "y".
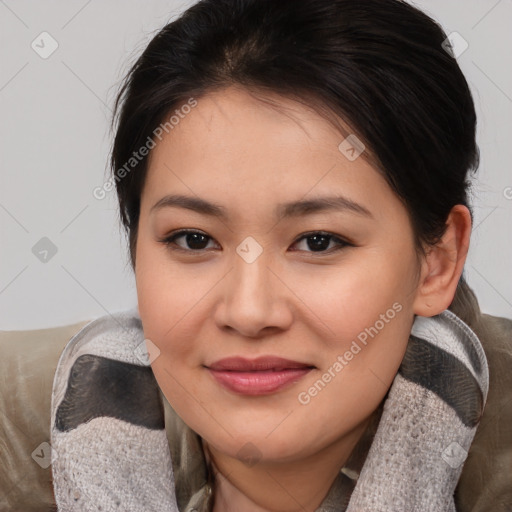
{"x": 240, "y": 364}
{"x": 259, "y": 376}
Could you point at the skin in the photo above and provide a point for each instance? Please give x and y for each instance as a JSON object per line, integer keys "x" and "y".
{"x": 201, "y": 305}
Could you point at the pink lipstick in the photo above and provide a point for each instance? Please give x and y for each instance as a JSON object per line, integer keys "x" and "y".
{"x": 260, "y": 376}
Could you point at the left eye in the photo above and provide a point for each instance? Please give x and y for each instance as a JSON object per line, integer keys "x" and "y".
{"x": 319, "y": 241}
{"x": 197, "y": 241}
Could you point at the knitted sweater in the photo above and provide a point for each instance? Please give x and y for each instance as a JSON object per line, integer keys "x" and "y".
{"x": 110, "y": 449}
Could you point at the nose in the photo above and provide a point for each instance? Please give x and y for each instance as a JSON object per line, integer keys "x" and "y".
{"x": 255, "y": 300}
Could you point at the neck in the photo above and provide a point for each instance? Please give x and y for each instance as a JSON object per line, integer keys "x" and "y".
{"x": 269, "y": 486}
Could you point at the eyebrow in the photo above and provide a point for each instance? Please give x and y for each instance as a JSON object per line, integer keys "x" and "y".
{"x": 292, "y": 209}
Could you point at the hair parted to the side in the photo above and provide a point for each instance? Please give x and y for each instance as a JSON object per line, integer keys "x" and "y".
{"x": 378, "y": 65}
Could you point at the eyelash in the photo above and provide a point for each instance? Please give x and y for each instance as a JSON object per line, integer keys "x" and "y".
{"x": 169, "y": 241}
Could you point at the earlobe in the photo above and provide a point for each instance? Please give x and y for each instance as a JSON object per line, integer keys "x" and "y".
{"x": 443, "y": 264}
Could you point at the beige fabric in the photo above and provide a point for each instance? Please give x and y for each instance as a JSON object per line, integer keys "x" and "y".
{"x": 28, "y": 360}
{"x": 27, "y": 366}
{"x": 486, "y": 481}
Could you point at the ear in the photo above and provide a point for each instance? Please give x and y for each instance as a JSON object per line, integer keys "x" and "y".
{"x": 443, "y": 264}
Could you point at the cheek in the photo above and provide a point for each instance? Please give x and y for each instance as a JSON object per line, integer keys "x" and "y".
{"x": 367, "y": 307}
{"x": 361, "y": 362}
{"x": 163, "y": 304}
{"x": 365, "y": 290}
{"x": 163, "y": 307}
{"x": 164, "y": 292}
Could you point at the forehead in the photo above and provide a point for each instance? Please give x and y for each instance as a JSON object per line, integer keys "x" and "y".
{"x": 241, "y": 148}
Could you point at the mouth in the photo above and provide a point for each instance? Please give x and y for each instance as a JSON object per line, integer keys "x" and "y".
{"x": 260, "y": 376}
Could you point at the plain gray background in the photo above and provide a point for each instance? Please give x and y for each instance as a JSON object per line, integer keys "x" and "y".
{"x": 55, "y": 140}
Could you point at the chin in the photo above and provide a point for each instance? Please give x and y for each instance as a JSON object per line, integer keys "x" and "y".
{"x": 255, "y": 445}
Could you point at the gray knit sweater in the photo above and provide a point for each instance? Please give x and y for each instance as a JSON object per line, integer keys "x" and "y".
{"x": 110, "y": 451}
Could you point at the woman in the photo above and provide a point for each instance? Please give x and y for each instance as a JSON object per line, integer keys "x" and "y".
{"x": 293, "y": 180}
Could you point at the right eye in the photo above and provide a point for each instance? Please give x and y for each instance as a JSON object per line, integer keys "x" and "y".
{"x": 196, "y": 241}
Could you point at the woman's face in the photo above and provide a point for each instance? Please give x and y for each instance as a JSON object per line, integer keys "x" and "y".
{"x": 259, "y": 281}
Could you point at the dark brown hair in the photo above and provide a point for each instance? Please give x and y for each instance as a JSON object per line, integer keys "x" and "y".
{"x": 379, "y": 65}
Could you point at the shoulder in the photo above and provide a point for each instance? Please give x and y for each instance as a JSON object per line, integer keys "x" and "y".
{"x": 104, "y": 371}
{"x": 107, "y": 422}
{"x": 112, "y": 335}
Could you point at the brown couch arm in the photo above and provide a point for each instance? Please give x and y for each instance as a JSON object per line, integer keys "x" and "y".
{"x": 28, "y": 360}
{"x": 485, "y": 484}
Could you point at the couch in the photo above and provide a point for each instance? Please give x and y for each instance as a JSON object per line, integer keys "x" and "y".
{"x": 28, "y": 360}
